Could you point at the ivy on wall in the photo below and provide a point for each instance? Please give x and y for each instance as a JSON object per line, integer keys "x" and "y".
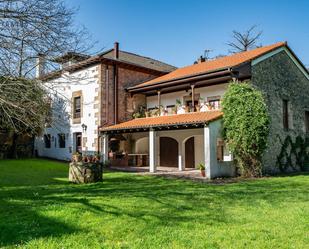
{"x": 294, "y": 155}
{"x": 246, "y": 126}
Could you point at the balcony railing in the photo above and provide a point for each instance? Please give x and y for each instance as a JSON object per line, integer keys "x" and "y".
{"x": 176, "y": 109}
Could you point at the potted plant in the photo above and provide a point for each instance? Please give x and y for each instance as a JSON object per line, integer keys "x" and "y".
{"x": 198, "y": 108}
{"x": 174, "y": 110}
{"x": 155, "y": 112}
{"x": 201, "y": 167}
{"x": 76, "y": 157}
{"x": 187, "y": 109}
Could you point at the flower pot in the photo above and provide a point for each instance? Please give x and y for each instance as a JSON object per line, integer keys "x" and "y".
{"x": 198, "y": 108}
{"x": 187, "y": 109}
{"x": 203, "y": 173}
{"x": 77, "y": 158}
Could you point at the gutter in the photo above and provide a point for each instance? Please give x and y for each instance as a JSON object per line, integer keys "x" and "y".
{"x": 227, "y": 71}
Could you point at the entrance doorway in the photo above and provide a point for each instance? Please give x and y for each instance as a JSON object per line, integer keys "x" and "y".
{"x": 190, "y": 153}
{"x": 78, "y": 142}
{"x": 168, "y": 152}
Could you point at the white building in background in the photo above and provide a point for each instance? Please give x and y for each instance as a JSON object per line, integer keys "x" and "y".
{"x": 88, "y": 93}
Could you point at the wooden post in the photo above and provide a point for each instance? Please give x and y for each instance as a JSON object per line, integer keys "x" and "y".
{"x": 159, "y": 102}
{"x": 192, "y": 97}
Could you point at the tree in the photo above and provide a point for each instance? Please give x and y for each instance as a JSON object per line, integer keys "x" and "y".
{"x": 29, "y": 28}
{"x": 24, "y": 105}
{"x": 244, "y": 41}
{"x": 32, "y": 29}
{"x": 246, "y": 126}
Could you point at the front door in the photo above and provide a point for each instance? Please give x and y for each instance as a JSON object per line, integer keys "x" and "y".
{"x": 78, "y": 142}
{"x": 189, "y": 147}
{"x": 168, "y": 152}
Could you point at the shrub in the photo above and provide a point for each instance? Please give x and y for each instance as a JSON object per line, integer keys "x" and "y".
{"x": 246, "y": 126}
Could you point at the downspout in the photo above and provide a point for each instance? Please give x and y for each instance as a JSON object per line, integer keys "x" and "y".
{"x": 115, "y": 95}
{"x": 116, "y": 57}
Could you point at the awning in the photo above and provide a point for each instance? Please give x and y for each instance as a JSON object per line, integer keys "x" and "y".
{"x": 195, "y": 119}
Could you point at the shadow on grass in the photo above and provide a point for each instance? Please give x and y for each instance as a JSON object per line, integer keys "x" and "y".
{"x": 155, "y": 201}
{"x": 21, "y": 224}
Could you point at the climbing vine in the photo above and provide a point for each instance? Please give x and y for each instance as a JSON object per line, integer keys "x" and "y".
{"x": 294, "y": 155}
{"x": 246, "y": 126}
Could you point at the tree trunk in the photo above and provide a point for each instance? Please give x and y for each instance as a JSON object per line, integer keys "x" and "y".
{"x": 13, "y": 150}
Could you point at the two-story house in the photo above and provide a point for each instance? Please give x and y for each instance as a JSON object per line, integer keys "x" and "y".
{"x": 88, "y": 93}
{"x": 182, "y": 126}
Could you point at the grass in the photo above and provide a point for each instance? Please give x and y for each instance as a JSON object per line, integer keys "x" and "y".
{"x": 39, "y": 209}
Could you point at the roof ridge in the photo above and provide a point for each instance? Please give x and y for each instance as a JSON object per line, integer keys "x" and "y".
{"x": 146, "y": 57}
{"x": 239, "y": 53}
{"x": 214, "y": 65}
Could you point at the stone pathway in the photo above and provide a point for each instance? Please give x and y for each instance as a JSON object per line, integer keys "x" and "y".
{"x": 168, "y": 172}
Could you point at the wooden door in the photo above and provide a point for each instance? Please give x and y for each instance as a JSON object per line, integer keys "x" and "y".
{"x": 189, "y": 147}
{"x": 78, "y": 145}
{"x": 168, "y": 152}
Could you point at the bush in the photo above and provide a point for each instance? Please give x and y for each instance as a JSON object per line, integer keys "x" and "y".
{"x": 246, "y": 126}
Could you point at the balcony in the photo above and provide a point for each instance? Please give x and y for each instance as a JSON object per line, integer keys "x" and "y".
{"x": 178, "y": 108}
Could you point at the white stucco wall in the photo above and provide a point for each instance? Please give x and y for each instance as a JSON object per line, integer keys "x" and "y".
{"x": 217, "y": 168}
{"x": 61, "y": 91}
{"x": 170, "y": 98}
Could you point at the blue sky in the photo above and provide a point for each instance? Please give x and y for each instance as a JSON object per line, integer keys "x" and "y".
{"x": 178, "y": 31}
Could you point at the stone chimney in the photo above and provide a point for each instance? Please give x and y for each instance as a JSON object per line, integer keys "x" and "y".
{"x": 116, "y": 50}
{"x": 40, "y": 66}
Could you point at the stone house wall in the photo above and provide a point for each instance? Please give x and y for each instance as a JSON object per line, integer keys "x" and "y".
{"x": 278, "y": 77}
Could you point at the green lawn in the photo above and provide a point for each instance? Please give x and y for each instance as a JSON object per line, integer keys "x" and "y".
{"x": 39, "y": 209}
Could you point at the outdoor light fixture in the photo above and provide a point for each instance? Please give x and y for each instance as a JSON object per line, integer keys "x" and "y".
{"x": 84, "y": 127}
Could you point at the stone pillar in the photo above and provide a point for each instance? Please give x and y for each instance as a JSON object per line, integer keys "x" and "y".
{"x": 207, "y": 151}
{"x": 152, "y": 151}
{"x": 105, "y": 147}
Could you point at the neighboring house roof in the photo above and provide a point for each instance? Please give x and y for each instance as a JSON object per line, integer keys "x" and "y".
{"x": 139, "y": 60}
{"x": 212, "y": 65}
{"x": 123, "y": 58}
{"x": 163, "y": 121}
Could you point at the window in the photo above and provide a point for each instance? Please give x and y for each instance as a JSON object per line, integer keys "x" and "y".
{"x": 214, "y": 102}
{"x": 220, "y": 149}
{"x": 170, "y": 108}
{"x": 223, "y": 153}
{"x": 307, "y": 121}
{"x": 61, "y": 140}
{"x": 285, "y": 111}
{"x": 77, "y": 107}
{"x": 47, "y": 140}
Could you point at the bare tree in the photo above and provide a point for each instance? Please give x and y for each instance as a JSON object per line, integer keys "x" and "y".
{"x": 243, "y": 41}
{"x": 32, "y": 27}
{"x": 29, "y": 28}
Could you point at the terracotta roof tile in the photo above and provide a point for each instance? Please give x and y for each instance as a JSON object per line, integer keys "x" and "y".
{"x": 178, "y": 119}
{"x": 214, "y": 65}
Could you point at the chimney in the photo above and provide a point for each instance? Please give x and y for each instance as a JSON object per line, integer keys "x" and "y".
{"x": 40, "y": 66}
{"x": 116, "y": 50}
{"x": 201, "y": 59}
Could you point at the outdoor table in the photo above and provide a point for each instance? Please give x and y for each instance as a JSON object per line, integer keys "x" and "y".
{"x": 139, "y": 159}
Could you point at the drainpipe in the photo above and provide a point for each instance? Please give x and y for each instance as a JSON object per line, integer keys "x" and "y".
{"x": 115, "y": 68}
